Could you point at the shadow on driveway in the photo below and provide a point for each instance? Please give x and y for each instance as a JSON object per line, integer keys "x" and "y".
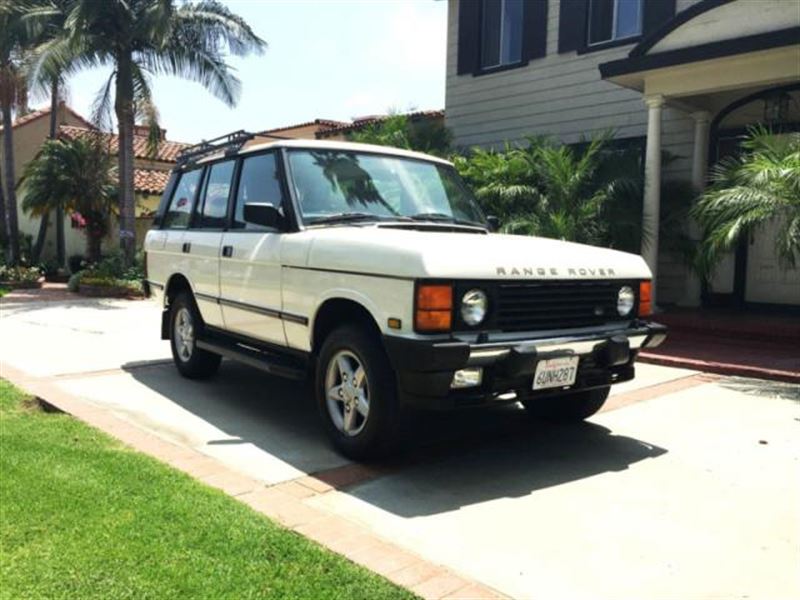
{"x": 456, "y": 458}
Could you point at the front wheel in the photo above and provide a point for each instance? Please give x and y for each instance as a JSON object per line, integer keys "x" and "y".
{"x": 185, "y": 321}
{"x": 569, "y": 408}
{"x": 357, "y": 394}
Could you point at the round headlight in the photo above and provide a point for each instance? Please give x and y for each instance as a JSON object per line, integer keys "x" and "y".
{"x": 474, "y": 304}
{"x": 625, "y": 300}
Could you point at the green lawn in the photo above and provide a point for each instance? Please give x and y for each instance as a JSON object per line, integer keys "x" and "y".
{"x": 81, "y": 516}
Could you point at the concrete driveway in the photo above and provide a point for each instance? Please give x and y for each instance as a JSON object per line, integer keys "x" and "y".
{"x": 685, "y": 487}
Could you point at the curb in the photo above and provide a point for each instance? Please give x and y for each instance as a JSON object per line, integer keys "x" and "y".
{"x": 283, "y": 503}
{"x": 720, "y": 368}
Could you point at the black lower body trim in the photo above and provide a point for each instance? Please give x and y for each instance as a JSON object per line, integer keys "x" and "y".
{"x": 261, "y": 310}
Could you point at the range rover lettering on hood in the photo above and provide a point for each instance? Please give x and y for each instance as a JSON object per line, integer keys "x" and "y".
{"x": 555, "y": 272}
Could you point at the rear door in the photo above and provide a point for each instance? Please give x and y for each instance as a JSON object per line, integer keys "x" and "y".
{"x": 174, "y": 223}
{"x": 250, "y": 270}
{"x": 201, "y": 242}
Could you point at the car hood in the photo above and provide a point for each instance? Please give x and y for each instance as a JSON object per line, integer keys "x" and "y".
{"x": 446, "y": 254}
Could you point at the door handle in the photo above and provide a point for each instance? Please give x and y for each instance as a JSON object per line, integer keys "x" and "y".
{"x": 187, "y": 247}
{"x": 227, "y": 251}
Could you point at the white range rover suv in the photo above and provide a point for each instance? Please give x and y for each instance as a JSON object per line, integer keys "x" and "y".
{"x": 373, "y": 272}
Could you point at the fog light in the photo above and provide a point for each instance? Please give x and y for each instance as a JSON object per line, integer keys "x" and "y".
{"x": 467, "y": 378}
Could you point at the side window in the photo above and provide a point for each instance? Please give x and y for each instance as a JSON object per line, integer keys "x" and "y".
{"x": 614, "y": 20}
{"x": 213, "y": 205}
{"x": 258, "y": 182}
{"x": 180, "y": 207}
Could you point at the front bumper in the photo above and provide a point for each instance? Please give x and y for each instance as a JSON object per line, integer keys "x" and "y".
{"x": 425, "y": 368}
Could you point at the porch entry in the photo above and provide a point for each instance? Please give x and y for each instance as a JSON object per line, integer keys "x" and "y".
{"x": 753, "y": 273}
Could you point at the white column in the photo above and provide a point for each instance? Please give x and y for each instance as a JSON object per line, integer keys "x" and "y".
{"x": 652, "y": 186}
{"x": 702, "y": 121}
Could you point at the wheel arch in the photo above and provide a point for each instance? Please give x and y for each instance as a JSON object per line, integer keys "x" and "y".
{"x": 177, "y": 283}
{"x": 337, "y": 310}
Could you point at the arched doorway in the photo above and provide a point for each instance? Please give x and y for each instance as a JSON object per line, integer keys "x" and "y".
{"x": 752, "y": 274}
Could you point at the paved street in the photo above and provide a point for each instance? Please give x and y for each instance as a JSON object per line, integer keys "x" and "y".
{"x": 686, "y": 486}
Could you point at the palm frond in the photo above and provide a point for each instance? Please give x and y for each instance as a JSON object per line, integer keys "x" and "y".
{"x": 194, "y": 64}
{"x": 218, "y": 26}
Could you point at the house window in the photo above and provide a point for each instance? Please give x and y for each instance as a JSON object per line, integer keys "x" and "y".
{"x": 611, "y": 20}
{"x": 501, "y": 33}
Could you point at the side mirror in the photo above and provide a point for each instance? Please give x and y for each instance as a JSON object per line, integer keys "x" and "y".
{"x": 494, "y": 223}
{"x": 263, "y": 213}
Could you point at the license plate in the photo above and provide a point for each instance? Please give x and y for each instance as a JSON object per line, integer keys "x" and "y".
{"x": 555, "y": 372}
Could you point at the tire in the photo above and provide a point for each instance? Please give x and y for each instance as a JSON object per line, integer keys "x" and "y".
{"x": 356, "y": 393}
{"x": 567, "y": 408}
{"x": 185, "y": 325}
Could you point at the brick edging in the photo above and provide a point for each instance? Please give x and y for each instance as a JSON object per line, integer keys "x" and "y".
{"x": 282, "y": 502}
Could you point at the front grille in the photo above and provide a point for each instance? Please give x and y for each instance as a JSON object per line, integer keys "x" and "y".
{"x": 557, "y": 304}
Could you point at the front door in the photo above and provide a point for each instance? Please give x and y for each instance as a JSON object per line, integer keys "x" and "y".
{"x": 250, "y": 267}
{"x": 766, "y": 280}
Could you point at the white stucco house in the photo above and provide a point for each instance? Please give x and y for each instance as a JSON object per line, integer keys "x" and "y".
{"x": 685, "y": 77}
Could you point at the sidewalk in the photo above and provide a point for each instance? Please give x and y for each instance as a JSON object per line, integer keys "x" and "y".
{"x": 731, "y": 343}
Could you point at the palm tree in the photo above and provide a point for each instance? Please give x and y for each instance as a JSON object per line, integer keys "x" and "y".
{"x": 13, "y": 98}
{"x": 570, "y": 199}
{"x": 545, "y": 188}
{"x": 503, "y": 180}
{"x": 76, "y": 175}
{"x": 760, "y": 186}
{"x": 140, "y": 39}
{"x": 401, "y": 131}
{"x": 45, "y": 20}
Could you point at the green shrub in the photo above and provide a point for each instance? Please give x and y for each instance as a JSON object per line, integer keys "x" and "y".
{"x": 112, "y": 267}
{"x": 76, "y": 263}
{"x": 74, "y": 281}
{"x": 49, "y": 267}
{"x": 19, "y": 274}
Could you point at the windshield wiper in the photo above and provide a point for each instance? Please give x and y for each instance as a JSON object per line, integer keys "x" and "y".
{"x": 443, "y": 218}
{"x": 346, "y": 217}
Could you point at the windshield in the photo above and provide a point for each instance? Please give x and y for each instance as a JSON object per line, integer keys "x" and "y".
{"x": 335, "y": 185}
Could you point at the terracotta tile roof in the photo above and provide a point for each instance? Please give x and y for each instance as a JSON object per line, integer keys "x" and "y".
{"x": 323, "y": 124}
{"x": 167, "y": 151}
{"x": 42, "y": 112}
{"x": 367, "y": 121}
{"x": 150, "y": 181}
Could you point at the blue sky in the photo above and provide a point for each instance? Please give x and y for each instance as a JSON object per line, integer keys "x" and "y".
{"x": 326, "y": 59}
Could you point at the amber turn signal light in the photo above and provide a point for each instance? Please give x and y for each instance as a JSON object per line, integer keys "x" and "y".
{"x": 434, "y": 308}
{"x": 645, "y": 299}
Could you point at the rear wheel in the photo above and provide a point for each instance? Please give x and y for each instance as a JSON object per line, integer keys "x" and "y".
{"x": 357, "y": 394}
{"x": 185, "y": 325}
{"x": 569, "y": 408}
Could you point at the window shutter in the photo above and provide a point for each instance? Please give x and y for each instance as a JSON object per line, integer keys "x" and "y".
{"x": 469, "y": 25}
{"x": 572, "y": 25}
{"x": 534, "y": 29}
{"x": 656, "y": 13}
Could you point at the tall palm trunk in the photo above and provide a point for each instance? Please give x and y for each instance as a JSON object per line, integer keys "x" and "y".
{"x": 61, "y": 247}
{"x": 123, "y": 106}
{"x": 45, "y": 221}
{"x": 12, "y": 224}
{"x": 2, "y": 211}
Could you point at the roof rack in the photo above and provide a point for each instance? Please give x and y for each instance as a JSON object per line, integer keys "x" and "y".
{"x": 229, "y": 143}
